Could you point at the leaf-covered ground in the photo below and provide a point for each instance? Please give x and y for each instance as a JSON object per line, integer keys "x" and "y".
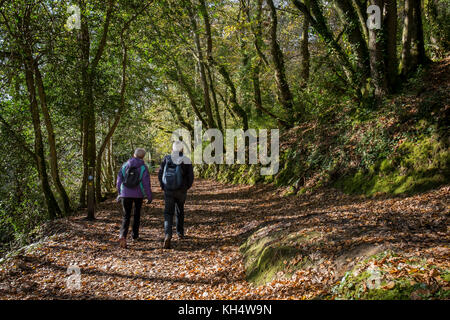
{"x": 208, "y": 264}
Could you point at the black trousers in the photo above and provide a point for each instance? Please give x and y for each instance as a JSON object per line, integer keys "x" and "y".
{"x": 174, "y": 204}
{"x": 127, "y": 205}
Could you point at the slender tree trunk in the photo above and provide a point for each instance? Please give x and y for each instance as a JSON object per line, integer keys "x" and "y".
{"x": 84, "y": 41}
{"x": 376, "y": 49}
{"x": 256, "y": 26}
{"x": 221, "y": 68}
{"x": 361, "y": 10}
{"x": 111, "y": 170}
{"x": 184, "y": 85}
{"x": 88, "y": 71}
{"x": 390, "y": 34}
{"x": 52, "y": 205}
{"x": 304, "y": 49}
{"x": 256, "y": 68}
{"x": 418, "y": 48}
{"x": 257, "y": 88}
{"x": 51, "y": 141}
{"x": 112, "y": 129}
{"x": 233, "y": 98}
{"x": 28, "y": 63}
{"x": 284, "y": 93}
{"x": 83, "y": 202}
{"x": 406, "y": 62}
{"x": 259, "y": 43}
{"x": 318, "y": 22}
{"x": 177, "y": 115}
{"x": 201, "y": 66}
{"x": 214, "y": 96}
{"x": 356, "y": 39}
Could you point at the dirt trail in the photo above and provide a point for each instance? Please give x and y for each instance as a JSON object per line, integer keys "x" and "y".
{"x": 207, "y": 264}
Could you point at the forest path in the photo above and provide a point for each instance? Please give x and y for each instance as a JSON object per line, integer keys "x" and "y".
{"x": 208, "y": 264}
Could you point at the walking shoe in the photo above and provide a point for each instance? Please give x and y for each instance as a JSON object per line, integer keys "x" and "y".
{"x": 180, "y": 236}
{"x": 167, "y": 243}
{"x": 123, "y": 243}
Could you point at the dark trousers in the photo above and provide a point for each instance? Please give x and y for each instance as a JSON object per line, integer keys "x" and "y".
{"x": 174, "y": 204}
{"x": 127, "y": 204}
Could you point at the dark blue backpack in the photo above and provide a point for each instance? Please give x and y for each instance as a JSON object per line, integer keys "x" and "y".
{"x": 172, "y": 176}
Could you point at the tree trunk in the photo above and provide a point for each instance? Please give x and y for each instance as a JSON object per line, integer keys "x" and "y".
{"x": 51, "y": 141}
{"x": 52, "y": 205}
{"x": 181, "y": 79}
{"x": 408, "y": 23}
{"x": 319, "y": 24}
{"x": 361, "y": 10}
{"x": 376, "y": 50}
{"x": 304, "y": 49}
{"x": 112, "y": 129}
{"x": 221, "y": 68}
{"x": 284, "y": 93}
{"x": 356, "y": 39}
{"x": 233, "y": 98}
{"x": 214, "y": 96}
{"x": 418, "y": 45}
{"x": 83, "y": 202}
{"x": 28, "y": 63}
{"x": 88, "y": 70}
{"x": 177, "y": 115}
{"x": 201, "y": 66}
{"x": 390, "y": 34}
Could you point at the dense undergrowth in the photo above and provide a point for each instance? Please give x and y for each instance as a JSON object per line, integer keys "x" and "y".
{"x": 401, "y": 147}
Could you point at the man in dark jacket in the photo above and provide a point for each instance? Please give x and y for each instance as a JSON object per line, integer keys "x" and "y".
{"x": 130, "y": 195}
{"x": 174, "y": 199}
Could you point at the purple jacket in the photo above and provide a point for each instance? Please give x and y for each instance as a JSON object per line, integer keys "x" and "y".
{"x": 135, "y": 192}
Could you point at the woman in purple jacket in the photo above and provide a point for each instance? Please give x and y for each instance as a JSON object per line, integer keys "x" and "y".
{"x": 129, "y": 195}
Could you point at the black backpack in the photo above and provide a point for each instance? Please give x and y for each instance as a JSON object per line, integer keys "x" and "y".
{"x": 132, "y": 176}
{"x": 172, "y": 176}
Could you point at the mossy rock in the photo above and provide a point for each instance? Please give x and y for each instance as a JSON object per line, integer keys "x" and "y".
{"x": 375, "y": 279}
{"x": 267, "y": 255}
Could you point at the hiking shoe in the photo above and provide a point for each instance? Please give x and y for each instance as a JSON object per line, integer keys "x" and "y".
{"x": 123, "y": 243}
{"x": 167, "y": 243}
{"x": 180, "y": 236}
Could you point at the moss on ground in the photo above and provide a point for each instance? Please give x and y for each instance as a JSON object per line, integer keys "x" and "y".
{"x": 267, "y": 255}
{"x": 415, "y": 167}
{"x": 387, "y": 276}
{"x": 234, "y": 174}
